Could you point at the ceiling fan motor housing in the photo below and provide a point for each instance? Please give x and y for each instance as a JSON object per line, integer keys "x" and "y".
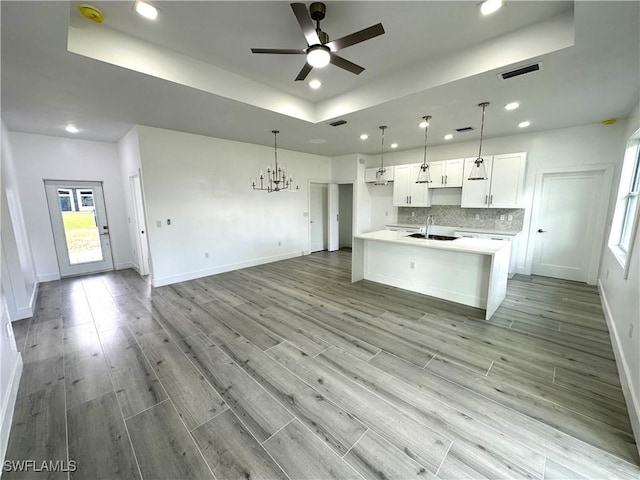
{"x": 317, "y": 11}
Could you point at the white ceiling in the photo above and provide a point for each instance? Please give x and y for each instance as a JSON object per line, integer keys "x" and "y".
{"x": 192, "y": 70}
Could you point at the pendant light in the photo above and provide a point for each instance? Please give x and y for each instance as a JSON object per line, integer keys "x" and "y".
{"x": 424, "y": 176}
{"x": 479, "y": 169}
{"x": 381, "y": 178}
{"x": 276, "y": 179}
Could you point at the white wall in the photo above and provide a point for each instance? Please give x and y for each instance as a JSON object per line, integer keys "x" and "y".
{"x": 588, "y": 144}
{"x": 10, "y": 359}
{"x": 130, "y": 165}
{"x": 40, "y": 157}
{"x": 622, "y": 305}
{"x": 202, "y": 185}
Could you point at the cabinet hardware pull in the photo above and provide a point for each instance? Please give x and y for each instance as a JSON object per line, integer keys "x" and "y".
{"x": 442, "y": 180}
{"x": 486, "y": 199}
{"x": 490, "y": 199}
{"x": 445, "y": 179}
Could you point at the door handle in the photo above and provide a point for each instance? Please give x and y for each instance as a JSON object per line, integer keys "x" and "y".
{"x": 337, "y": 217}
{"x": 541, "y": 230}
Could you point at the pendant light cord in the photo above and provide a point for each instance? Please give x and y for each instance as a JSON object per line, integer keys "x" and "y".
{"x": 275, "y": 148}
{"x": 483, "y": 105}
{"x": 382, "y": 127}
{"x": 426, "y": 131}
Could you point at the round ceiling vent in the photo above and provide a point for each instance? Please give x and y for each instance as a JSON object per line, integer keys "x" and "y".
{"x": 92, "y": 13}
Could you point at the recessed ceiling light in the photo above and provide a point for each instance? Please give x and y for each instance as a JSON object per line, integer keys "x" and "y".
{"x": 511, "y": 106}
{"x": 315, "y": 84}
{"x": 490, "y": 6}
{"x": 71, "y": 128}
{"x": 394, "y": 145}
{"x": 524, "y": 124}
{"x": 364, "y": 136}
{"x": 146, "y": 10}
{"x": 448, "y": 136}
{"x": 423, "y": 124}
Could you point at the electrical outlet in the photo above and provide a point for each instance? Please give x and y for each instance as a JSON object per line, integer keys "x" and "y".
{"x": 413, "y": 214}
{"x": 206, "y": 254}
{"x": 412, "y": 265}
{"x": 510, "y": 218}
{"x": 477, "y": 216}
{"x": 279, "y": 244}
{"x": 631, "y": 330}
{"x": 168, "y": 221}
{"x": 386, "y": 214}
{"x": 502, "y": 217}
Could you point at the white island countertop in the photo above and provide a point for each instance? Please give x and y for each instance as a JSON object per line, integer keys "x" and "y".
{"x": 469, "y": 245}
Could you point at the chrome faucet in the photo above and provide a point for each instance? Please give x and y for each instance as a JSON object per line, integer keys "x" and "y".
{"x": 427, "y": 226}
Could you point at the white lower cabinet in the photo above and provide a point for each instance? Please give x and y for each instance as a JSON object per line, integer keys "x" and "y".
{"x": 446, "y": 173}
{"x": 492, "y": 236}
{"x": 406, "y": 192}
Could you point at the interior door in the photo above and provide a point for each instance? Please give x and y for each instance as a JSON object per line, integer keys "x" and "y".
{"x": 80, "y": 229}
{"x": 140, "y": 225}
{"x": 564, "y": 230}
{"x": 318, "y": 217}
{"x": 333, "y": 217}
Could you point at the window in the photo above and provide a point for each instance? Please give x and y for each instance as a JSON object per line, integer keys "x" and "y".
{"x": 625, "y": 219}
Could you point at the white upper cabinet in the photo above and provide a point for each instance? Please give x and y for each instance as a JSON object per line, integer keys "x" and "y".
{"x": 446, "y": 173}
{"x": 406, "y": 192}
{"x": 504, "y": 187}
{"x": 370, "y": 174}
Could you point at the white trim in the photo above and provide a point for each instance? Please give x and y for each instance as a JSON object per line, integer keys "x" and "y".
{"x": 48, "y": 277}
{"x": 8, "y": 407}
{"x": 123, "y": 265}
{"x": 632, "y": 401}
{"x": 607, "y": 170}
{"x": 183, "y": 277}
{"x": 29, "y": 310}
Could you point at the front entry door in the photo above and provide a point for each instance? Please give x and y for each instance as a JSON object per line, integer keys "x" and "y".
{"x": 80, "y": 228}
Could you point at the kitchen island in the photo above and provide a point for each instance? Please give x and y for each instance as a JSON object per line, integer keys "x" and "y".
{"x": 469, "y": 271}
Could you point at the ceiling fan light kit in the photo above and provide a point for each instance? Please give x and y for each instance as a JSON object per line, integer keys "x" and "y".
{"x": 320, "y": 51}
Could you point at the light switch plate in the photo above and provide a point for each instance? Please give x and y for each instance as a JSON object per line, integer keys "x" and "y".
{"x": 158, "y": 223}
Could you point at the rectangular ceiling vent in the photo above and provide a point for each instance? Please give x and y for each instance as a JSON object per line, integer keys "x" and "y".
{"x": 464, "y": 129}
{"x": 337, "y": 123}
{"x": 520, "y": 71}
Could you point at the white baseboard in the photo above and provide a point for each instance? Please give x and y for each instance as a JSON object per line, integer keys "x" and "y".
{"x": 48, "y": 277}
{"x": 633, "y": 402}
{"x": 183, "y": 277}
{"x": 8, "y": 406}
{"x": 123, "y": 265}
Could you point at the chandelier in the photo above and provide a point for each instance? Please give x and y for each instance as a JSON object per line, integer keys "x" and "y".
{"x": 381, "y": 178}
{"x": 479, "y": 169}
{"x": 276, "y": 178}
{"x": 423, "y": 175}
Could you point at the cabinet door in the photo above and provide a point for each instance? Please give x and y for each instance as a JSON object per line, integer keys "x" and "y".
{"x": 400, "y": 186}
{"x": 507, "y": 181}
{"x": 418, "y": 192}
{"x": 475, "y": 193}
{"x": 437, "y": 171}
{"x": 453, "y": 172}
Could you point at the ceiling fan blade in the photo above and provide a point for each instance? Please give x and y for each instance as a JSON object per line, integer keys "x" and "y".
{"x": 346, "y": 64}
{"x": 304, "y": 72}
{"x": 357, "y": 37}
{"x": 283, "y": 51}
{"x": 304, "y": 19}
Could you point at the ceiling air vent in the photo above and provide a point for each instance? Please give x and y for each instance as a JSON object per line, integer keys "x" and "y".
{"x": 464, "y": 129}
{"x": 337, "y": 123}
{"x": 520, "y": 71}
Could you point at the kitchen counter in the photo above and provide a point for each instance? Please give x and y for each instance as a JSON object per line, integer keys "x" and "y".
{"x": 469, "y": 271}
{"x": 456, "y": 229}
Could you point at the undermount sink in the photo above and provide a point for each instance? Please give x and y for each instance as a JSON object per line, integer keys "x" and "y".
{"x": 432, "y": 237}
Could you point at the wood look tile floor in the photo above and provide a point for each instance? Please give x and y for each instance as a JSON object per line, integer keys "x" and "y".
{"x": 289, "y": 371}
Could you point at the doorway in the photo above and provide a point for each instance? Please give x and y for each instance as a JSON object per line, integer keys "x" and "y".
{"x": 318, "y": 217}
{"x": 345, "y": 210}
{"x": 80, "y": 228}
{"x": 568, "y": 224}
{"x": 142, "y": 246}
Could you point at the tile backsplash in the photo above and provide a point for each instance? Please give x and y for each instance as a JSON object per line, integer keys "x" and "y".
{"x": 455, "y": 216}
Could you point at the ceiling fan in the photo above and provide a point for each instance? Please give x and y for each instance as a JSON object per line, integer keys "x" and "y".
{"x": 320, "y": 51}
